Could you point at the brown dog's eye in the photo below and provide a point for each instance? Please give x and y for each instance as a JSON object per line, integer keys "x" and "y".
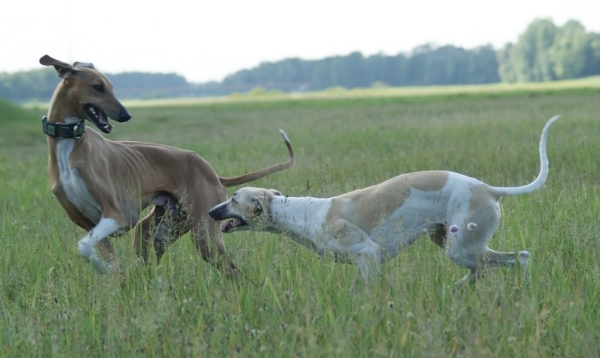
{"x": 99, "y": 88}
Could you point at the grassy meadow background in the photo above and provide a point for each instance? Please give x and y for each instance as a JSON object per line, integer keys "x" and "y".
{"x": 52, "y": 303}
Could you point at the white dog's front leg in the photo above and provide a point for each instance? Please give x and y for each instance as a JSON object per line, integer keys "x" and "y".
{"x": 368, "y": 265}
{"x": 352, "y": 241}
{"x": 86, "y": 247}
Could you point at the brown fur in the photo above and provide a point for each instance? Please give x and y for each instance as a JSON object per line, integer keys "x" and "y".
{"x": 125, "y": 177}
{"x": 366, "y": 207}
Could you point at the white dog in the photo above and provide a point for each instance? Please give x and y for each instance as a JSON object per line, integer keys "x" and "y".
{"x": 371, "y": 225}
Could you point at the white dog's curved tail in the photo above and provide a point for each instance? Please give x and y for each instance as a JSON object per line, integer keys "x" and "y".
{"x": 541, "y": 178}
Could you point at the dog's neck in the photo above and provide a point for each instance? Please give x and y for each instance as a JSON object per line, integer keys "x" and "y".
{"x": 61, "y": 122}
{"x": 63, "y": 130}
{"x": 61, "y": 107}
{"x": 300, "y": 218}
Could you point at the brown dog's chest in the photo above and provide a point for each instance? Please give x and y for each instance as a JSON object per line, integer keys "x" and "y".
{"x": 70, "y": 188}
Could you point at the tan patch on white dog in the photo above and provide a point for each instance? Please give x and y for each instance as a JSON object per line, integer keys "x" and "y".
{"x": 367, "y": 207}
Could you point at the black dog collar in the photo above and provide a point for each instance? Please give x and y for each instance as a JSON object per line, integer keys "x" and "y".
{"x": 63, "y": 131}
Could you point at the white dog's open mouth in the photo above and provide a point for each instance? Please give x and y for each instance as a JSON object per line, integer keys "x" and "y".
{"x": 229, "y": 226}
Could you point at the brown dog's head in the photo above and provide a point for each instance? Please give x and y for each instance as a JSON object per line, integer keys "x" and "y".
{"x": 85, "y": 93}
{"x": 248, "y": 209}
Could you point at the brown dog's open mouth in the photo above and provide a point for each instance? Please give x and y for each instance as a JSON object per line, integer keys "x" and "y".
{"x": 99, "y": 118}
{"x": 231, "y": 225}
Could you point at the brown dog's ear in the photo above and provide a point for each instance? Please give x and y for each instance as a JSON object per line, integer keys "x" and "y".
{"x": 63, "y": 69}
{"x": 84, "y": 64}
{"x": 275, "y": 192}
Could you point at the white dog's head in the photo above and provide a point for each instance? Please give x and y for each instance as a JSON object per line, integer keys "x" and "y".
{"x": 248, "y": 209}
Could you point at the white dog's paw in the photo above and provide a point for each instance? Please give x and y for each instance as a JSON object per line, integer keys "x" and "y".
{"x": 524, "y": 259}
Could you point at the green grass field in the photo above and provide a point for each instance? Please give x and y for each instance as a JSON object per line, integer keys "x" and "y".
{"x": 52, "y": 303}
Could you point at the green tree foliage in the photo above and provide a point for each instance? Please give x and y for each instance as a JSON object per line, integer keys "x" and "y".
{"x": 506, "y": 67}
{"x": 40, "y": 84}
{"x": 592, "y": 55}
{"x": 156, "y": 85}
{"x": 37, "y": 84}
{"x": 569, "y": 49}
{"x": 545, "y": 52}
{"x": 426, "y": 65}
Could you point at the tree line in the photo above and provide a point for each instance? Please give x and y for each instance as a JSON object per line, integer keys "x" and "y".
{"x": 40, "y": 84}
{"x": 544, "y": 52}
{"x": 427, "y": 65}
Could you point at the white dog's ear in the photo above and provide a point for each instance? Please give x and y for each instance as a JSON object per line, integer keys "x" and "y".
{"x": 257, "y": 206}
{"x": 275, "y": 192}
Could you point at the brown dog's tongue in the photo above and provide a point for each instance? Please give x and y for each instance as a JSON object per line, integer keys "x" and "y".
{"x": 102, "y": 121}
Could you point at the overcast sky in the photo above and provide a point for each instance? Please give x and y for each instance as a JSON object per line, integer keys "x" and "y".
{"x": 207, "y": 40}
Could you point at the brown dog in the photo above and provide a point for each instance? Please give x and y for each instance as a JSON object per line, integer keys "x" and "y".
{"x": 104, "y": 185}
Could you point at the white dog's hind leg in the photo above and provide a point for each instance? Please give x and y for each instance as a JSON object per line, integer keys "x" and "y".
{"x": 464, "y": 280}
{"x": 86, "y": 247}
{"x": 493, "y": 258}
{"x": 471, "y": 277}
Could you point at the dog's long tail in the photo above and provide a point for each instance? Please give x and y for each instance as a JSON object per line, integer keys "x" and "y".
{"x": 228, "y": 182}
{"x": 541, "y": 178}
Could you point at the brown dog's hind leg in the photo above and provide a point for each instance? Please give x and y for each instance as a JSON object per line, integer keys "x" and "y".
{"x": 206, "y": 232}
{"x": 169, "y": 222}
{"x": 165, "y": 223}
{"x": 141, "y": 235}
{"x": 208, "y": 239}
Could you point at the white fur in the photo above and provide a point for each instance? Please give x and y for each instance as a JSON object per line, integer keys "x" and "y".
{"x": 458, "y": 212}
{"x": 86, "y": 247}
{"x": 297, "y": 217}
{"x": 74, "y": 187}
{"x": 78, "y": 194}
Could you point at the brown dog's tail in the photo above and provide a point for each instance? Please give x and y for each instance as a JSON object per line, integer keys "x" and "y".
{"x": 242, "y": 179}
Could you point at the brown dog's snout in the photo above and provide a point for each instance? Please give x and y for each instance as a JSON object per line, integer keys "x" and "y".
{"x": 124, "y": 116}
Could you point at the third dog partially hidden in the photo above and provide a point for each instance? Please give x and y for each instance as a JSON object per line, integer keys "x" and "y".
{"x": 371, "y": 225}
